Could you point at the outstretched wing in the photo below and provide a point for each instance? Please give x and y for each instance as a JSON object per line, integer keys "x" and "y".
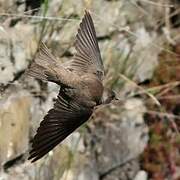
{"x": 87, "y": 58}
{"x": 59, "y": 122}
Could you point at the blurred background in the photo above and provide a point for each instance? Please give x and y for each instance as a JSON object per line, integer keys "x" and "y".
{"x": 134, "y": 139}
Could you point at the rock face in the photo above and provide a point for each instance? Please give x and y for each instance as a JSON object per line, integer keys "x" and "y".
{"x": 15, "y": 51}
{"x": 14, "y": 125}
{"x": 118, "y": 136}
{"x": 130, "y": 35}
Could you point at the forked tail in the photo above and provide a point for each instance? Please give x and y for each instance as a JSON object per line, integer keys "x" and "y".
{"x": 43, "y": 66}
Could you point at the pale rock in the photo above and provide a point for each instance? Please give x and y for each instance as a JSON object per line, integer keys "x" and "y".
{"x": 120, "y": 136}
{"x": 14, "y": 124}
{"x": 17, "y": 46}
{"x": 146, "y": 52}
{"x": 141, "y": 175}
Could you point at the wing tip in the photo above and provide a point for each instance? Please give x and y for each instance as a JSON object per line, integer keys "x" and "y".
{"x": 33, "y": 159}
{"x": 87, "y": 11}
{"x": 34, "y": 156}
{"x": 87, "y": 14}
{"x": 42, "y": 46}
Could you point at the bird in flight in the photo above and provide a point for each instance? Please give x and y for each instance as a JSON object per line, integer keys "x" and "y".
{"x": 81, "y": 88}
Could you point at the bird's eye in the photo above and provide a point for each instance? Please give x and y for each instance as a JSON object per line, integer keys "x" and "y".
{"x": 99, "y": 73}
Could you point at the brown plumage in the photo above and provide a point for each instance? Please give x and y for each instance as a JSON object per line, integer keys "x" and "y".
{"x": 81, "y": 88}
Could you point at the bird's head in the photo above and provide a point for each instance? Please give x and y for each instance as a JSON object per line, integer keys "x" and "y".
{"x": 108, "y": 96}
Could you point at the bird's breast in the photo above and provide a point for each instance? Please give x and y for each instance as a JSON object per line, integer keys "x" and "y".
{"x": 93, "y": 88}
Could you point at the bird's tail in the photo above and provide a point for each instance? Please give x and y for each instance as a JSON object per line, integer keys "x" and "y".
{"x": 43, "y": 66}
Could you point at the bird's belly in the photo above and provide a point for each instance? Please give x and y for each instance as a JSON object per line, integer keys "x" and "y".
{"x": 88, "y": 92}
{"x": 92, "y": 92}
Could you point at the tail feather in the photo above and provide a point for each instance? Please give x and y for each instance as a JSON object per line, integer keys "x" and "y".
{"x": 45, "y": 67}
{"x": 42, "y": 66}
{"x": 36, "y": 71}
